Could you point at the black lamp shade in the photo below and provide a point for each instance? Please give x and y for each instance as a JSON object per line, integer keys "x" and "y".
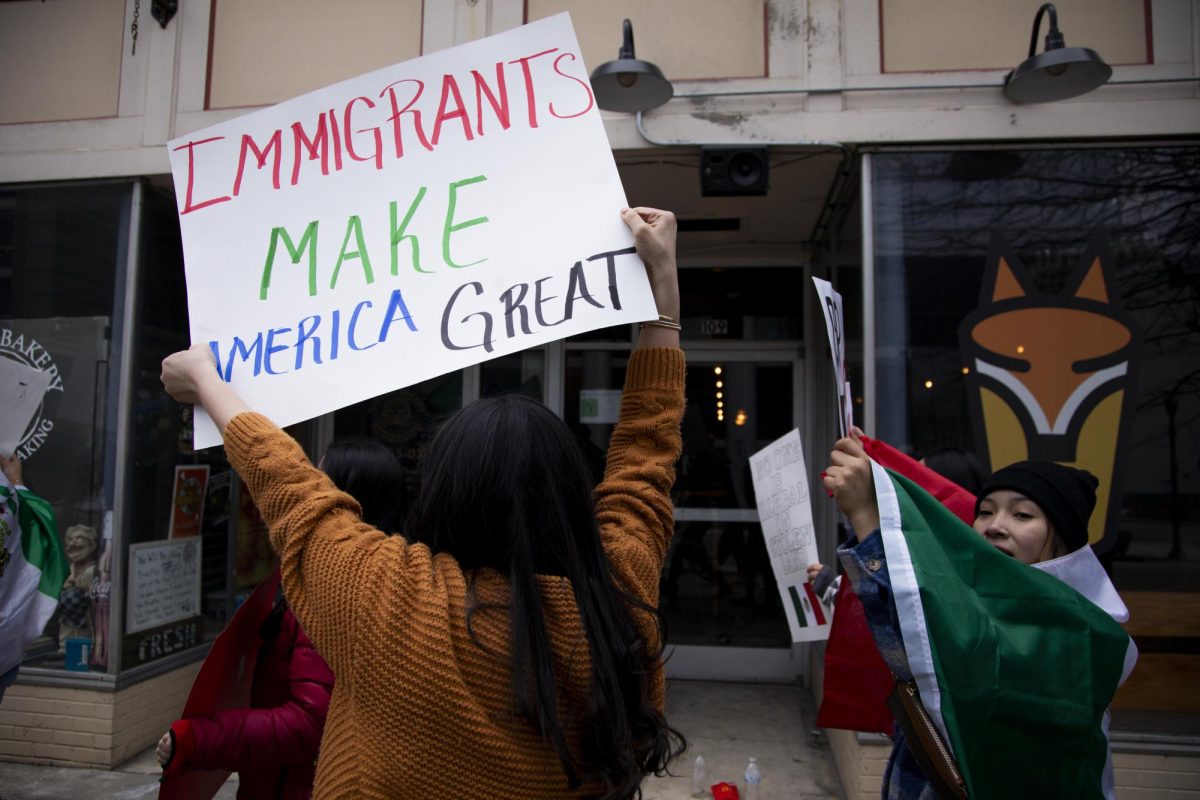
{"x": 630, "y": 84}
{"x": 1056, "y": 75}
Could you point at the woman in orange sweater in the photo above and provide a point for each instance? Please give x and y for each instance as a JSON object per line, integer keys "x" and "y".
{"x": 513, "y": 649}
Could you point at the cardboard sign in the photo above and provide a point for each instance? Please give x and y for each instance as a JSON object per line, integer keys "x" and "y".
{"x": 404, "y": 224}
{"x": 187, "y": 501}
{"x": 835, "y": 327}
{"x": 785, "y": 513}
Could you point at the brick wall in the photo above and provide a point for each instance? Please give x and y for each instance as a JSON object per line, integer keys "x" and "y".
{"x": 89, "y": 727}
{"x": 1140, "y": 776}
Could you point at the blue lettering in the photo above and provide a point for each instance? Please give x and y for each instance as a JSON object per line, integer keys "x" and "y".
{"x": 239, "y": 349}
{"x": 396, "y": 309}
{"x": 303, "y": 334}
{"x": 354, "y": 324}
{"x": 273, "y": 348}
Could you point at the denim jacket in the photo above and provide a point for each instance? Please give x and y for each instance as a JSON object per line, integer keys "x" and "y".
{"x": 866, "y": 567}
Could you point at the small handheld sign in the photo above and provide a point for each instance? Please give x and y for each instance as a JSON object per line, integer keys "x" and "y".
{"x": 835, "y": 326}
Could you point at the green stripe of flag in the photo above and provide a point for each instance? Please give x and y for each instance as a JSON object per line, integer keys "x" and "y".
{"x": 801, "y": 617}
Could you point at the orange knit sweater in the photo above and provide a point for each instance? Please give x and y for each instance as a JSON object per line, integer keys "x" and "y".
{"x": 420, "y": 709}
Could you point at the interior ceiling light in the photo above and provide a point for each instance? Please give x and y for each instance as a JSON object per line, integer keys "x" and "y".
{"x": 629, "y": 84}
{"x": 1059, "y": 72}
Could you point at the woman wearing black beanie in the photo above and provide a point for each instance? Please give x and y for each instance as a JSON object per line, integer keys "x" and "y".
{"x": 1035, "y": 512}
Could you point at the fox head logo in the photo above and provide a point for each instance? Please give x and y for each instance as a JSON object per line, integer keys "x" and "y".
{"x": 1052, "y": 376}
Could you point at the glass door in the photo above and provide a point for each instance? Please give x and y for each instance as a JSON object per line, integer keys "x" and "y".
{"x": 723, "y": 612}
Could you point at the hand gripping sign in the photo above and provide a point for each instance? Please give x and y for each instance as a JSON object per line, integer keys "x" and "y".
{"x": 404, "y": 224}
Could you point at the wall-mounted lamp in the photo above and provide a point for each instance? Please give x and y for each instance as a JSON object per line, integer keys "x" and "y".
{"x": 163, "y": 10}
{"x": 1059, "y": 72}
{"x": 629, "y": 84}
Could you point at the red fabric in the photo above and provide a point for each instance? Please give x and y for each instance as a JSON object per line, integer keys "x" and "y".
{"x": 224, "y": 681}
{"x": 947, "y": 492}
{"x": 273, "y": 744}
{"x": 857, "y": 682}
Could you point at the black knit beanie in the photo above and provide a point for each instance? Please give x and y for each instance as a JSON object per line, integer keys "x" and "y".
{"x": 1066, "y": 495}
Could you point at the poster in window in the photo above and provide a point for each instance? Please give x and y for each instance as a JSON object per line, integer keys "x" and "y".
{"x": 187, "y": 501}
{"x": 164, "y": 583}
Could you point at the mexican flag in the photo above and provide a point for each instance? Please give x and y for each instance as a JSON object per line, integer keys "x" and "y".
{"x": 32, "y": 570}
{"x": 1016, "y": 666}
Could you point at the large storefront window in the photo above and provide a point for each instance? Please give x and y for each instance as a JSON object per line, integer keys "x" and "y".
{"x": 1044, "y": 304}
{"x": 158, "y": 537}
{"x": 60, "y": 251}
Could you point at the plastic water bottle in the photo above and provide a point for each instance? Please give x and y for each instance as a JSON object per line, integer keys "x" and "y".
{"x": 753, "y": 779}
{"x": 699, "y": 778}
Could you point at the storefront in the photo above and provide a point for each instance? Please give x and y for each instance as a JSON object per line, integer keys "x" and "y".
{"x": 894, "y": 168}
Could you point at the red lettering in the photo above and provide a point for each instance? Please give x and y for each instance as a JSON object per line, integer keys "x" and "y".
{"x": 378, "y": 154}
{"x": 249, "y": 145}
{"x": 188, "y": 205}
{"x": 397, "y": 112}
{"x": 318, "y": 146}
{"x": 499, "y": 107}
{"x": 529, "y": 94}
{"x": 337, "y": 141}
{"x": 584, "y": 84}
{"x": 450, "y": 87}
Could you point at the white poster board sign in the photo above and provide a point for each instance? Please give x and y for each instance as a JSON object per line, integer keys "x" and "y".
{"x": 835, "y": 327}
{"x": 404, "y": 224}
{"x": 22, "y": 388}
{"x": 785, "y": 513}
{"x": 164, "y": 583}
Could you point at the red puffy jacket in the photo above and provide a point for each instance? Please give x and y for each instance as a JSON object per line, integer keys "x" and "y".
{"x": 273, "y": 744}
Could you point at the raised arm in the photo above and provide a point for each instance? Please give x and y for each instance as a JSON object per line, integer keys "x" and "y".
{"x": 633, "y": 503}
{"x": 329, "y": 557}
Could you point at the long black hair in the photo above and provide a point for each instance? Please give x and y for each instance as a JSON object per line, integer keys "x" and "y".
{"x": 503, "y": 485}
{"x": 370, "y": 473}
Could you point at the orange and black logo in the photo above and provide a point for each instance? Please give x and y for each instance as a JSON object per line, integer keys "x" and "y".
{"x": 1053, "y": 376}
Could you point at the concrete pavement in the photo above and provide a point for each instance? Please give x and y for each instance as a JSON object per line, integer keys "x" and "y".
{"x": 724, "y": 722}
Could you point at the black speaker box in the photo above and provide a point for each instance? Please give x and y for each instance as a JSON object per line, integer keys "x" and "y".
{"x": 729, "y": 171}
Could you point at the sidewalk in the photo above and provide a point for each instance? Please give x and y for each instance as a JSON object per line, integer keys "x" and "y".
{"x": 724, "y": 722}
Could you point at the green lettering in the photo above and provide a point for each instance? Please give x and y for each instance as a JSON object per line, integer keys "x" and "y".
{"x": 307, "y": 242}
{"x": 398, "y": 234}
{"x": 353, "y": 226}
{"x": 451, "y": 227}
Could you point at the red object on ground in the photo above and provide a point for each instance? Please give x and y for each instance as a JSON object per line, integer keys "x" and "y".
{"x": 857, "y": 681}
{"x": 224, "y": 682}
{"x": 724, "y": 791}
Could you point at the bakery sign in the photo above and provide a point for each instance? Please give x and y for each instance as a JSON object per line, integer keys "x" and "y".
{"x": 28, "y": 373}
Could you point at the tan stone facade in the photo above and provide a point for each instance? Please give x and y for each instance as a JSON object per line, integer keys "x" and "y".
{"x": 63, "y": 726}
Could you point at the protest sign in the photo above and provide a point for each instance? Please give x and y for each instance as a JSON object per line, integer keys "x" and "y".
{"x": 835, "y": 327}
{"x": 405, "y": 223}
{"x": 785, "y": 513}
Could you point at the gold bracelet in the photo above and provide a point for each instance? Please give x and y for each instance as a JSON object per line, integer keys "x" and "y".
{"x": 665, "y": 318}
{"x": 661, "y": 323}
